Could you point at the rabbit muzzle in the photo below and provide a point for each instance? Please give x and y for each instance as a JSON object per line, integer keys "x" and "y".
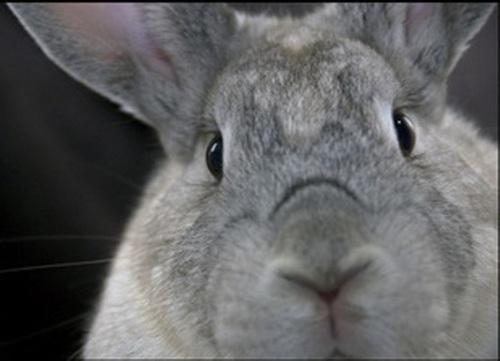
{"x": 329, "y": 286}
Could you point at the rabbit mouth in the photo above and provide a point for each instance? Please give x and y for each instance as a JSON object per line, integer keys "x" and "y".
{"x": 337, "y": 353}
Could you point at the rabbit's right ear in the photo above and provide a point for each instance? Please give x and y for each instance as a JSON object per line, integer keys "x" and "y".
{"x": 422, "y": 42}
{"x": 155, "y": 60}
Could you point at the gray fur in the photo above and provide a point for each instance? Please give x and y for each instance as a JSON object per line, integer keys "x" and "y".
{"x": 316, "y": 198}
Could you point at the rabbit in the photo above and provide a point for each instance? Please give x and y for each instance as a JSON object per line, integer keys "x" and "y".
{"x": 318, "y": 197}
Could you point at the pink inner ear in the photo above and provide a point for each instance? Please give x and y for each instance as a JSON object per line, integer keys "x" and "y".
{"x": 114, "y": 29}
{"x": 416, "y": 15}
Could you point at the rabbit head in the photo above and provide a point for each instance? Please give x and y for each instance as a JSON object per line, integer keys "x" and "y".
{"x": 318, "y": 198}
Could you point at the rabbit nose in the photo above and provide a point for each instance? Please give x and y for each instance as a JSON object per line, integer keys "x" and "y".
{"x": 326, "y": 292}
{"x": 329, "y": 295}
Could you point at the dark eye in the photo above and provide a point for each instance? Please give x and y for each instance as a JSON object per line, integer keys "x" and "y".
{"x": 214, "y": 156}
{"x": 405, "y": 132}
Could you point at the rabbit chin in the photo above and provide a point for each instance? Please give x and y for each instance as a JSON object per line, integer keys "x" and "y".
{"x": 318, "y": 335}
{"x": 313, "y": 331}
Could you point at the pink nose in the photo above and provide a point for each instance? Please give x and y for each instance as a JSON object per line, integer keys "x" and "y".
{"x": 327, "y": 293}
{"x": 328, "y": 296}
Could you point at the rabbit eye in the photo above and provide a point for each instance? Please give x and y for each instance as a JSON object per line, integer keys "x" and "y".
{"x": 405, "y": 132}
{"x": 214, "y": 157}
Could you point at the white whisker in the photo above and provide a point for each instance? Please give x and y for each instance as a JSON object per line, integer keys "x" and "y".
{"x": 57, "y": 265}
{"x": 43, "y": 331}
{"x": 118, "y": 177}
{"x": 57, "y": 238}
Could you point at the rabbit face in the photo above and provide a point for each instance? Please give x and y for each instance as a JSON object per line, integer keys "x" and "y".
{"x": 320, "y": 238}
{"x": 318, "y": 198}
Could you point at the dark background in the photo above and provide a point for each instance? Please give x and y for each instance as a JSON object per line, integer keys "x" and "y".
{"x": 71, "y": 171}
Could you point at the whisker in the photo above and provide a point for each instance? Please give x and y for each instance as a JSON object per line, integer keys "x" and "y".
{"x": 77, "y": 355}
{"x": 58, "y": 237}
{"x": 43, "y": 331}
{"x": 117, "y": 177}
{"x": 57, "y": 265}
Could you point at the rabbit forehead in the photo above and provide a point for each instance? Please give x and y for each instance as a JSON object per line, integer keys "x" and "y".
{"x": 304, "y": 84}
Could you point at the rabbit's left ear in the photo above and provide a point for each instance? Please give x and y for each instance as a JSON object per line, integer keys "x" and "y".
{"x": 155, "y": 60}
{"x": 422, "y": 42}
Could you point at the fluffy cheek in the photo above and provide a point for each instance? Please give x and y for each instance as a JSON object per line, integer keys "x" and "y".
{"x": 171, "y": 259}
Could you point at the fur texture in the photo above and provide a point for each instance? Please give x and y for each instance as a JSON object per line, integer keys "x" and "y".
{"x": 321, "y": 238}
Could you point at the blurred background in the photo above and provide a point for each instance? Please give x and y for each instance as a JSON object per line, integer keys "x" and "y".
{"x": 71, "y": 171}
